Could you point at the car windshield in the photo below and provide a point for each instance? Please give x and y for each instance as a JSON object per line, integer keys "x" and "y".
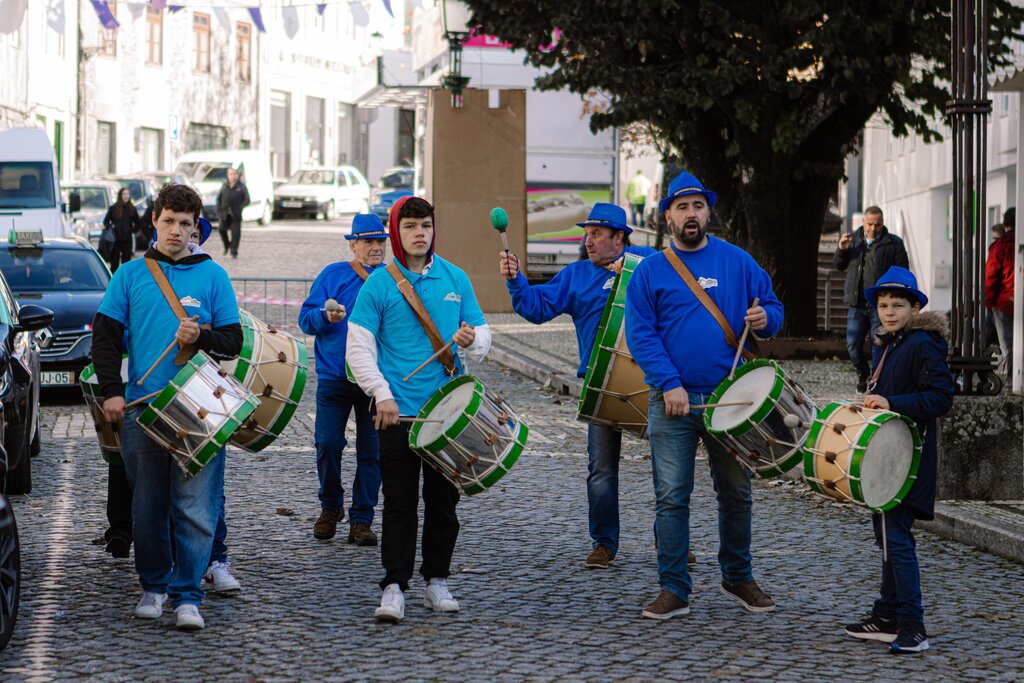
{"x": 53, "y": 270}
{"x": 26, "y": 185}
{"x": 312, "y": 177}
{"x": 208, "y": 171}
{"x": 135, "y": 186}
{"x": 92, "y": 197}
{"x": 397, "y": 180}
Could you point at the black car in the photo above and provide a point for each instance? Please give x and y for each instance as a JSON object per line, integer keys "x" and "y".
{"x": 10, "y": 571}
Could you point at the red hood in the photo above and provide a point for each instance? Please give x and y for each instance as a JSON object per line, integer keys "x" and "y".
{"x": 396, "y": 238}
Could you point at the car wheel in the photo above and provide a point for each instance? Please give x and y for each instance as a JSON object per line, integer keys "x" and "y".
{"x": 19, "y": 479}
{"x": 268, "y": 213}
{"x": 37, "y": 441}
{"x": 10, "y": 575}
{"x": 329, "y": 213}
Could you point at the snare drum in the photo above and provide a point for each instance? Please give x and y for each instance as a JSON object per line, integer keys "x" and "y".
{"x": 273, "y": 365}
{"x": 108, "y": 434}
{"x": 862, "y": 455}
{"x": 756, "y": 434}
{"x": 614, "y": 392}
{"x": 478, "y": 439}
{"x": 197, "y": 412}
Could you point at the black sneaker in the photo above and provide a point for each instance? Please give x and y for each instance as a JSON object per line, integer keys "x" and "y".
{"x": 874, "y": 628}
{"x": 911, "y": 639}
{"x": 862, "y": 384}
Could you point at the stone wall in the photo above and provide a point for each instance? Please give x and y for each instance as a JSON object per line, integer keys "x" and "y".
{"x": 981, "y": 449}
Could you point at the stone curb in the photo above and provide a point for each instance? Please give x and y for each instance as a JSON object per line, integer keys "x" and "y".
{"x": 545, "y": 374}
{"x": 970, "y": 528}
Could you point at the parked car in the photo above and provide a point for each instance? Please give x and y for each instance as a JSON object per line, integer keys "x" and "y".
{"x": 325, "y": 192}
{"x": 393, "y": 184}
{"x": 142, "y": 188}
{"x": 10, "y": 571}
{"x": 30, "y": 188}
{"x": 208, "y": 171}
{"x": 68, "y": 277}
{"x": 160, "y": 178}
{"x": 96, "y": 197}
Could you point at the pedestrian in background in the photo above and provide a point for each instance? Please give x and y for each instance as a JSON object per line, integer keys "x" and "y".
{"x": 999, "y": 288}
{"x": 636, "y": 194}
{"x": 231, "y": 199}
{"x": 117, "y": 243}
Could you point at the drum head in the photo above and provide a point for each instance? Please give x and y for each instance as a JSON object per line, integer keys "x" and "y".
{"x": 449, "y": 409}
{"x": 886, "y": 463}
{"x": 754, "y": 386}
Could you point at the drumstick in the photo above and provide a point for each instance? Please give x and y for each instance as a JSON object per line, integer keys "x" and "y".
{"x": 162, "y": 356}
{"x": 417, "y": 419}
{"x": 140, "y": 400}
{"x": 743, "y": 339}
{"x": 437, "y": 354}
{"x": 727, "y": 404}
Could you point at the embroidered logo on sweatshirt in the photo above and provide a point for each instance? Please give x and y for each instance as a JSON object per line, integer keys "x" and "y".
{"x": 452, "y": 296}
{"x": 189, "y": 301}
{"x": 608, "y": 283}
{"x": 707, "y": 282}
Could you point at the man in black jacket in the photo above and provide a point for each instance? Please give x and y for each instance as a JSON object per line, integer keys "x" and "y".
{"x": 232, "y": 198}
{"x": 865, "y": 254}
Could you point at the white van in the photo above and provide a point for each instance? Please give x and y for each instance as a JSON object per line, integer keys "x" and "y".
{"x": 30, "y": 196}
{"x": 208, "y": 170}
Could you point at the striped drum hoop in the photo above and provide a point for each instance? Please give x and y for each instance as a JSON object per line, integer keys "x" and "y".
{"x": 108, "y": 434}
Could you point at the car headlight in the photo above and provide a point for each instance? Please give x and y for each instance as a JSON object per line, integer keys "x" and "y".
{"x": 375, "y": 196}
{"x": 5, "y": 382}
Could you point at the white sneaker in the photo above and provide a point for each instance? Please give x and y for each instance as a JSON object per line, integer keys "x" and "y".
{"x": 218, "y": 578}
{"x": 392, "y": 604}
{"x": 188, "y": 618}
{"x": 151, "y": 606}
{"x": 438, "y": 598}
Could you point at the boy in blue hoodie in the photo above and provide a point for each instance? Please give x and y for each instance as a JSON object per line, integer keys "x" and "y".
{"x": 913, "y": 379}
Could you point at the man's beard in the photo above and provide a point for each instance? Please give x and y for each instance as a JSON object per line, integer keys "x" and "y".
{"x": 690, "y": 241}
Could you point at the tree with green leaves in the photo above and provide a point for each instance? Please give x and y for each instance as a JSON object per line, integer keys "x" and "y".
{"x": 761, "y": 99}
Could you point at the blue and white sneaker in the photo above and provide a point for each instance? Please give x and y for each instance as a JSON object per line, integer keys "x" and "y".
{"x": 911, "y": 639}
{"x": 874, "y": 628}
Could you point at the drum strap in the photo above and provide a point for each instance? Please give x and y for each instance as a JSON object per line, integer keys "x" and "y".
{"x": 708, "y": 302}
{"x": 360, "y": 270}
{"x": 185, "y": 351}
{"x": 405, "y": 287}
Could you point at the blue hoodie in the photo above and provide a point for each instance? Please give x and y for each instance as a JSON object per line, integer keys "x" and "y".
{"x": 339, "y": 282}
{"x": 580, "y": 289}
{"x": 673, "y": 338}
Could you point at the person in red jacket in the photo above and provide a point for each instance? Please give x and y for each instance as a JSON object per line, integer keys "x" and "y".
{"x": 999, "y": 288}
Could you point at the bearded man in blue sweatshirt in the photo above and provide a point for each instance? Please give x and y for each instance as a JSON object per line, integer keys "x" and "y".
{"x": 336, "y": 396}
{"x": 581, "y": 289}
{"x": 684, "y": 355}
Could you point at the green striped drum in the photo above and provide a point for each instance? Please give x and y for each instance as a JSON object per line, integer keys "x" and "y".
{"x": 273, "y": 365}
{"x": 469, "y": 435}
{"x": 614, "y": 392}
{"x": 862, "y": 455}
{"x": 197, "y": 412}
{"x": 109, "y": 435}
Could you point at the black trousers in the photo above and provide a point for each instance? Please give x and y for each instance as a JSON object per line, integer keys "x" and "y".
{"x": 230, "y": 229}
{"x": 400, "y": 474}
{"x": 119, "y": 504}
{"x": 121, "y": 252}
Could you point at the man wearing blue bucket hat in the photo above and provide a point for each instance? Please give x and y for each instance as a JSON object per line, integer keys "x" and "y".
{"x": 323, "y": 316}
{"x": 676, "y": 330}
{"x": 912, "y": 378}
{"x": 581, "y": 290}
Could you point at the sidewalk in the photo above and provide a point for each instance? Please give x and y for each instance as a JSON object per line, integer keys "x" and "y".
{"x": 548, "y": 354}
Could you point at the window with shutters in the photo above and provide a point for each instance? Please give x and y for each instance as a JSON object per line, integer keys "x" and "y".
{"x": 201, "y": 27}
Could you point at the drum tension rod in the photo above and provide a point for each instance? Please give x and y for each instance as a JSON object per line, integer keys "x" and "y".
{"x": 218, "y": 392}
{"x": 181, "y": 434}
{"x": 268, "y": 390}
{"x": 474, "y": 459}
{"x": 490, "y": 441}
{"x": 830, "y": 456}
{"x": 829, "y": 484}
{"x": 281, "y": 357}
{"x": 838, "y": 428}
{"x": 202, "y": 413}
{"x": 222, "y": 372}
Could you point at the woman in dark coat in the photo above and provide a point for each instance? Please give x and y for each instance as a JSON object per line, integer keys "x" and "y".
{"x": 117, "y": 243}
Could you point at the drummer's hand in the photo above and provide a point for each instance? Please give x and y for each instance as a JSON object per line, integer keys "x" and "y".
{"x": 508, "y": 265}
{"x": 465, "y": 336}
{"x": 113, "y": 409}
{"x": 387, "y": 414}
{"x": 876, "y": 401}
{"x": 335, "y": 316}
{"x": 616, "y": 265}
{"x": 188, "y": 331}
{"x": 677, "y": 402}
{"x": 757, "y": 318}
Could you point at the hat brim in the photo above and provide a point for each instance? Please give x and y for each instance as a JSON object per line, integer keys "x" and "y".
{"x": 871, "y": 293}
{"x": 607, "y": 224}
{"x": 712, "y": 198}
{"x": 368, "y": 236}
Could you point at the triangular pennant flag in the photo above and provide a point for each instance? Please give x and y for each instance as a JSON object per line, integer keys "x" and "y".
{"x": 175, "y": 8}
{"x": 257, "y": 19}
{"x": 320, "y": 7}
{"x": 103, "y": 12}
{"x": 55, "y": 15}
{"x": 359, "y": 14}
{"x": 387, "y": 6}
{"x": 291, "y": 21}
{"x": 136, "y": 8}
{"x": 222, "y": 18}
{"x": 158, "y": 4}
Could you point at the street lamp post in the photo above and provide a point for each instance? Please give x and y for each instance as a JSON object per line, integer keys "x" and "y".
{"x": 455, "y": 16}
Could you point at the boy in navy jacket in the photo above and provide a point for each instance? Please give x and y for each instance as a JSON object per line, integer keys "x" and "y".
{"x": 912, "y": 379}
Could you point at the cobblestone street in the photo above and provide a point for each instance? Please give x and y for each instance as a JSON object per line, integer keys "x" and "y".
{"x": 529, "y": 608}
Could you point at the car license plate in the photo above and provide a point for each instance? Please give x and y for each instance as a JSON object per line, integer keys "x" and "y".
{"x": 292, "y": 205}
{"x": 56, "y": 378}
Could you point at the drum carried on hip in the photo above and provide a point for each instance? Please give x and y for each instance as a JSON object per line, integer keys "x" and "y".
{"x": 469, "y": 435}
{"x": 614, "y": 392}
{"x": 862, "y": 455}
{"x": 197, "y": 413}
{"x": 756, "y": 432}
{"x": 108, "y": 434}
{"x": 273, "y": 365}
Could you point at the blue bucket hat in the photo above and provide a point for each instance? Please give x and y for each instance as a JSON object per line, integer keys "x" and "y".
{"x": 686, "y": 184}
{"x": 367, "y": 226}
{"x": 605, "y": 215}
{"x": 896, "y": 278}
{"x": 205, "y": 230}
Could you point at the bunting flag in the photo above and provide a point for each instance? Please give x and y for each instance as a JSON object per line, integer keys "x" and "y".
{"x": 223, "y": 19}
{"x": 359, "y": 14}
{"x": 320, "y": 7}
{"x": 387, "y": 6}
{"x": 175, "y": 8}
{"x": 158, "y": 4}
{"x": 103, "y": 12}
{"x": 290, "y": 15}
{"x": 257, "y": 19}
{"x": 55, "y": 15}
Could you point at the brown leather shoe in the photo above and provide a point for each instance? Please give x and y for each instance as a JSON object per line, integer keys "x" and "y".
{"x": 326, "y": 525}
{"x": 666, "y": 606}
{"x": 691, "y": 559}
{"x": 750, "y": 596}
{"x": 599, "y": 558}
{"x": 362, "y": 534}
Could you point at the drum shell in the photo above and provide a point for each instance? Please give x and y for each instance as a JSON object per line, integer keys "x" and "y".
{"x": 109, "y": 435}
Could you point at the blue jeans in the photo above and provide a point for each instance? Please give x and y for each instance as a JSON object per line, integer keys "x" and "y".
{"x": 162, "y": 497}
{"x": 604, "y": 445}
{"x": 673, "y": 453}
{"x": 220, "y": 533}
{"x": 1004, "y": 332}
{"x": 636, "y": 212}
{"x": 335, "y": 399}
{"x": 900, "y": 597}
{"x": 860, "y": 320}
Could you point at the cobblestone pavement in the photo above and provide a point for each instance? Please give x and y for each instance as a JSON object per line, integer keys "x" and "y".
{"x": 529, "y": 609}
